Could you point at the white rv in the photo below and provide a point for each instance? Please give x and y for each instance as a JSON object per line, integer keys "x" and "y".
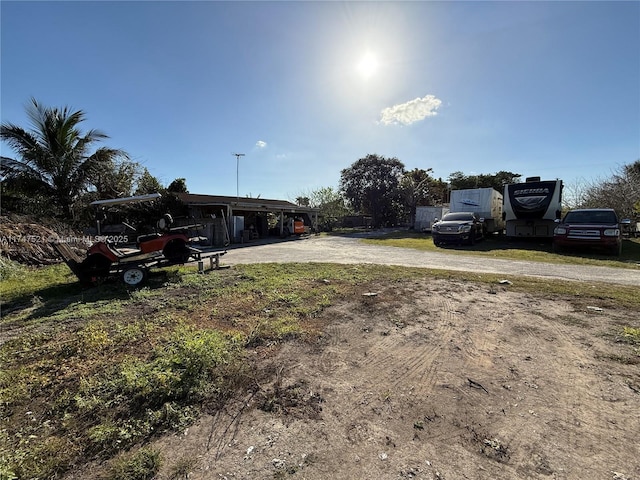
{"x": 486, "y": 203}
{"x": 532, "y": 208}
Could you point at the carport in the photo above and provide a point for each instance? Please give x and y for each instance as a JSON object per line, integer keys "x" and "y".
{"x": 236, "y": 220}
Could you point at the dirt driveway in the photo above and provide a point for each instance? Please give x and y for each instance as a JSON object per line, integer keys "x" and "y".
{"x": 431, "y": 379}
{"x": 349, "y": 250}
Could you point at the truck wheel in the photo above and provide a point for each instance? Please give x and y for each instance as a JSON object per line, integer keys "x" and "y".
{"x": 617, "y": 250}
{"x": 134, "y": 276}
{"x": 472, "y": 238}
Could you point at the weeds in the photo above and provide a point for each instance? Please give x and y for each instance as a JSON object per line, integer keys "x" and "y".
{"x": 631, "y": 335}
{"x": 181, "y": 468}
{"x": 103, "y": 370}
{"x": 141, "y": 465}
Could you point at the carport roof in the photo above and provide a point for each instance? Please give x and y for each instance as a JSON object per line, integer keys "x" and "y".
{"x": 253, "y": 204}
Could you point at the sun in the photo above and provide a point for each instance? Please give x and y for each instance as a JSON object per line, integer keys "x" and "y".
{"x": 368, "y": 65}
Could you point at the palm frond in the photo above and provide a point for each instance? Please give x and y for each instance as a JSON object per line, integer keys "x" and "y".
{"x": 21, "y": 141}
{"x": 55, "y": 156}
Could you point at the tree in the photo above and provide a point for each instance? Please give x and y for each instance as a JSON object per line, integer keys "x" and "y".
{"x": 115, "y": 180}
{"x": 503, "y": 178}
{"x": 419, "y": 188}
{"x": 54, "y": 159}
{"x": 621, "y": 191}
{"x": 331, "y": 206}
{"x": 179, "y": 185}
{"x": 147, "y": 183}
{"x": 460, "y": 181}
{"x": 302, "y": 201}
{"x": 372, "y": 186}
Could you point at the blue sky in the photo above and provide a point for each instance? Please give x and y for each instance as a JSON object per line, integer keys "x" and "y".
{"x": 548, "y": 89}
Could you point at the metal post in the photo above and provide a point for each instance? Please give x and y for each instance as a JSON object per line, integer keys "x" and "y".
{"x": 238, "y": 155}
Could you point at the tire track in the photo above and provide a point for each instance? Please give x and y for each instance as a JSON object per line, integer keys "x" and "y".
{"x": 400, "y": 362}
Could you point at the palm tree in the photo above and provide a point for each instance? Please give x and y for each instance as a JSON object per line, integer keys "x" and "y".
{"x": 54, "y": 158}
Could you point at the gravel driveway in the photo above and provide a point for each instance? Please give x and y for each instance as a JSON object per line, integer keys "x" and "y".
{"x": 350, "y": 250}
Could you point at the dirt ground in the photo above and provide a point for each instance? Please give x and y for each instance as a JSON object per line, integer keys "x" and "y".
{"x": 437, "y": 379}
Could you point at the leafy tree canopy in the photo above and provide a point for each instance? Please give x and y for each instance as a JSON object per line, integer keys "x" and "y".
{"x": 147, "y": 183}
{"x": 179, "y": 185}
{"x": 419, "y": 188}
{"x": 371, "y": 185}
{"x": 331, "y": 204}
{"x": 460, "y": 181}
{"x": 303, "y": 201}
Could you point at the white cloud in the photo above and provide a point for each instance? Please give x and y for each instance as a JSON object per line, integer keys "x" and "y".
{"x": 261, "y": 144}
{"x": 411, "y": 111}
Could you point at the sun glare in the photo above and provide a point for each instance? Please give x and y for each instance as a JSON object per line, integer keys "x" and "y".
{"x": 368, "y": 65}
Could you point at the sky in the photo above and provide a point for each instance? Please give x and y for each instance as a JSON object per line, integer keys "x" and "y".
{"x": 305, "y": 89}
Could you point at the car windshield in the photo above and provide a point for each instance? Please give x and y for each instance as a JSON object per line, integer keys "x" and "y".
{"x": 600, "y": 217}
{"x": 457, "y": 217}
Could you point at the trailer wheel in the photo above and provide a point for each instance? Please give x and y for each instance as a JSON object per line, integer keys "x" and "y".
{"x": 134, "y": 276}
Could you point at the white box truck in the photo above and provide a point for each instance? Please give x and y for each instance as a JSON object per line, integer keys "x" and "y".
{"x": 427, "y": 216}
{"x": 486, "y": 203}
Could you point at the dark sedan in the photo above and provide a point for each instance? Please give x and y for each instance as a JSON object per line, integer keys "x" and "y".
{"x": 459, "y": 227}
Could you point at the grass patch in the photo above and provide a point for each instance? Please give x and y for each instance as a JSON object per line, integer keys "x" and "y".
{"x": 534, "y": 251}
{"x": 19, "y": 283}
{"x": 631, "y": 335}
{"x": 141, "y": 465}
{"x": 91, "y": 374}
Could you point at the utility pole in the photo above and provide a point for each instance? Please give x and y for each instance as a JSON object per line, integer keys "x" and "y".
{"x": 238, "y": 155}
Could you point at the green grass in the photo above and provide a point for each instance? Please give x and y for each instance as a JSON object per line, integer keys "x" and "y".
{"x": 536, "y": 251}
{"x": 631, "y": 335}
{"x": 141, "y": 465}
{"x": 19, "y": 282}
{"x": 104, "y": 369}
{"x": 93, "y": 373}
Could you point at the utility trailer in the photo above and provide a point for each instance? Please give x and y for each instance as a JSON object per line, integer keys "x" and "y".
{"x": 104, "y": 261}
{"x": 167, "y": 246}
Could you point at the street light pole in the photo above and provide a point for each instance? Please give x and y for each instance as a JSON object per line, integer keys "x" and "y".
{"x": 238, "y": 155}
